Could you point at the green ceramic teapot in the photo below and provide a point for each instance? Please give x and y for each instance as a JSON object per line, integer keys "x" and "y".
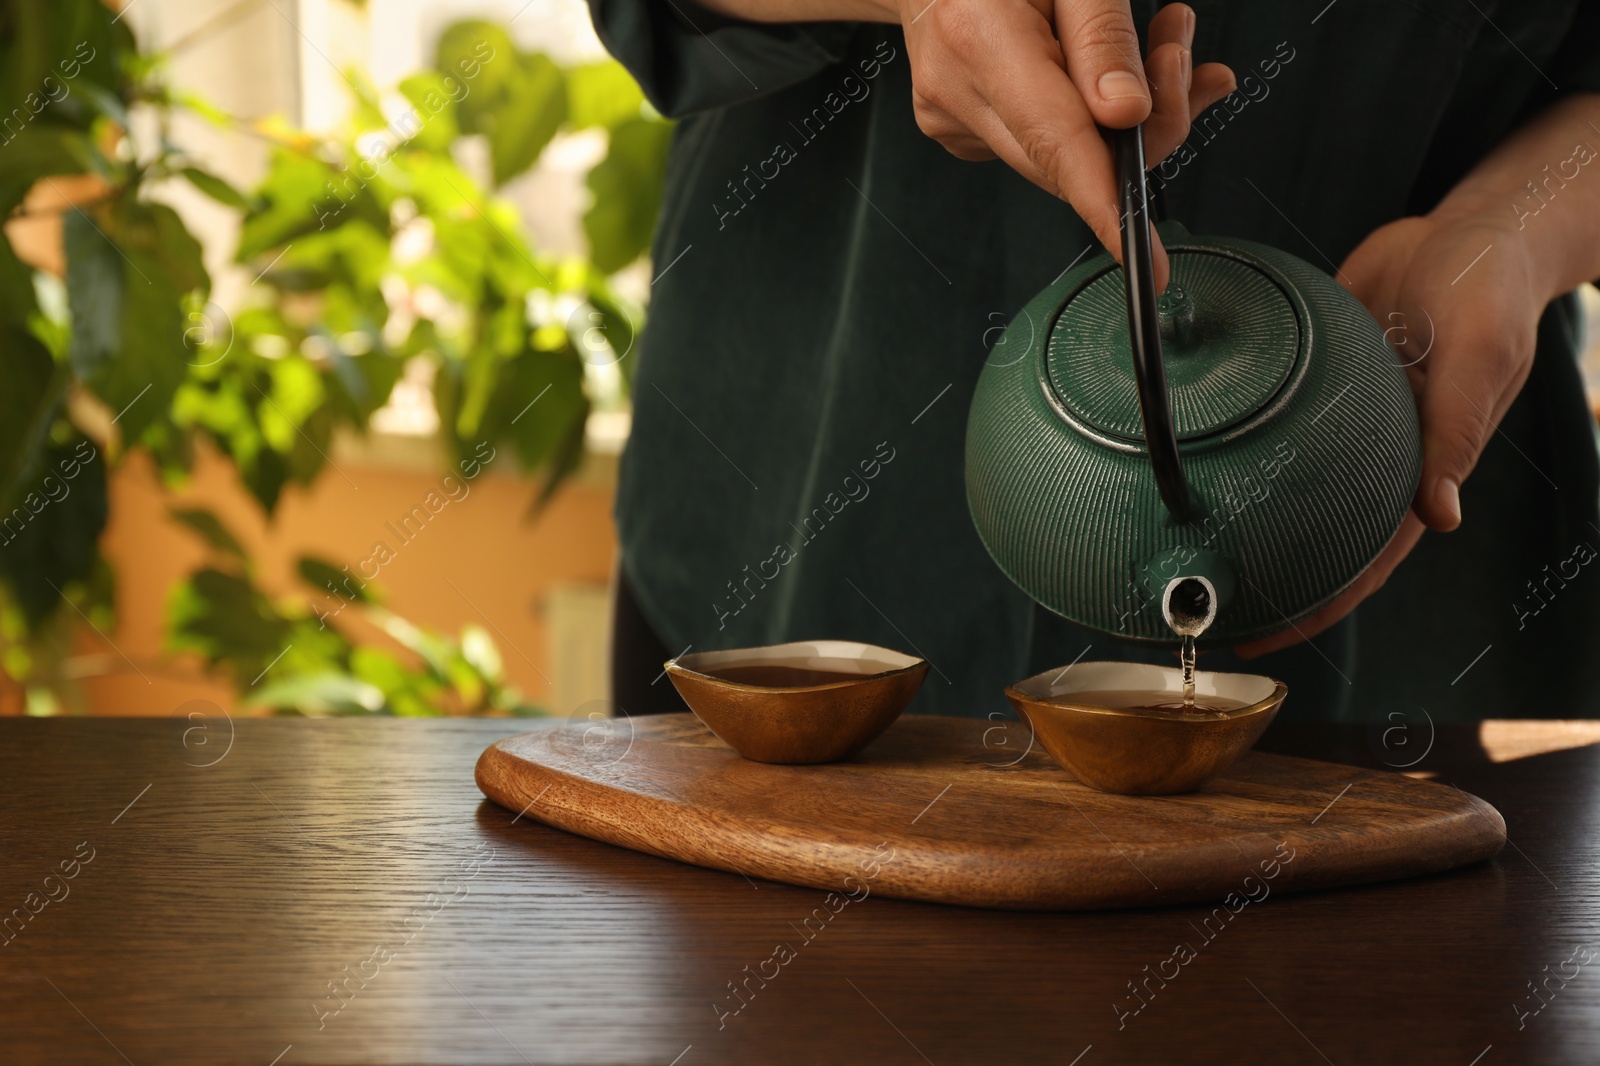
{"x": 1251, "y": 426}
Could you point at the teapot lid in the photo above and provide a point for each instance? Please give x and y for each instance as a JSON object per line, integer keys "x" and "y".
{"x": 1230, "y": 336}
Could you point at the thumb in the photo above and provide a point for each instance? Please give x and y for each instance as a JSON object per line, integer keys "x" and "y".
{"x": 1101, "y": 47}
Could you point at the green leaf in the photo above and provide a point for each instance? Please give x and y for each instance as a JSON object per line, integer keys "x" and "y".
{"x": 49, "y": 539}
{"x": 287, "y": 201}
{"x": 292, "y": 418}
{"x": 534, "y": 107}
{"x": 613, "y": 322}
{"x": 95, "y": 100}
{"x": 407, "y": 693}
{"x": 354, "y": 254}
{"x": 95, "y": 270}
{"x": 155, "y": 231}
{"x": 479, "y": 650}
{"x": 136, "y": 370}
{"x": 483, "y": 56}
{"x": 377, "y": 667}
{"x": 311, "y": 447}
{"x": 211, "y": 530}
{"x": 367, "y": 115}
{"x": 602, "y": 94}
{"x": 568, "y": 455}
{"x": 37, "y": 151}
{"x": 328, "y": 579}
{"x": 202, "y": 107}
{"x": 28, "y": 404}
{"x": 319, "y": 694}
{"x": 18, "y": 301}
{"x": 302, "y": 196}
{"x": 462, "y": 249}
{"x": 219, "y": 190}
{"x": 265, "y": 475}
{"x": 431, "y": 125}
{"x": 33, "y": 382}
{"x": 224, "y": 618}
{"x": 550, "y": 432}
{"x": 432, "y": 649}
{"x": 361, "y": 384}
{"x": 29, "y": 37}
{"x": 627, "y": 187}
{"x": 296, "y": 393}
{"x": 52, "y": 55}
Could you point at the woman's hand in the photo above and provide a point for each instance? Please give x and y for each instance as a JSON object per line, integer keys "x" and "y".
{"x": 1458, "y": 293}
{"x": 1032, "y": 82}
{"x": 1458, "y": 298}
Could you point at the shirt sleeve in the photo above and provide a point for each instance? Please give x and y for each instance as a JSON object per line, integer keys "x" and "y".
{"x": 1576, "y": 65}
{"x": 688, "y": 59}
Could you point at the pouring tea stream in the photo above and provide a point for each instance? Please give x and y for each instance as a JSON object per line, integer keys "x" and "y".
{"x": 1189, "y": 606}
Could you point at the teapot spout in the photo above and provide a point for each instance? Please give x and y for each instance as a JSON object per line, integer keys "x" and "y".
{"x": 1189, "y": 605}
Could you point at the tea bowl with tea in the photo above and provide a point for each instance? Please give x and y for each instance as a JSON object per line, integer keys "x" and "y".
{"x": 1131, "y": 728}
{"x": 804, "y": 702}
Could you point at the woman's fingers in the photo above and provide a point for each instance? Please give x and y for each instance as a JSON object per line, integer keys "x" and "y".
{"x": 1210, "y": 83}
{"x": 1061, "y": 149}
{"x": 1042, "y": 109}
{"x": 1167, "y": 66}
{"x": 1463, "y": 398}
{"x": 1173, "y": 24}
{"x": 1182, "y": 92}
{"x": 1069, "y": 156}
{"x": 1168, "y": 124}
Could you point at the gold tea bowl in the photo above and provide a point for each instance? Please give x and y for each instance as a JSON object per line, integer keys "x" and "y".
{"x": 808, "y": 723}
{"x": 1142, "y": 752}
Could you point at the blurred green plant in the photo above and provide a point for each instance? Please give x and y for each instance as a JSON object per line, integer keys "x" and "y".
{"x": 220, "y": 614}
{"x": 369, "y": 250}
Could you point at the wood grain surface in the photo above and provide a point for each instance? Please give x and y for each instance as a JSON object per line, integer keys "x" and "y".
{"x": 239, "y": 869}
{"x": 935, "y": 813}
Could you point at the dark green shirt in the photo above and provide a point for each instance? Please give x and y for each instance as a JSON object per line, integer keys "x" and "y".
{"x": 829, "y": 282}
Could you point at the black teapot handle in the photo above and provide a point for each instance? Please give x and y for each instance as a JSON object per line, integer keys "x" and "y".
{"x": 1144, "y": 323}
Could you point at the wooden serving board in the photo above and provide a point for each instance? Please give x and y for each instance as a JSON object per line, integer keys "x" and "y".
{"x": 945, "y": 810}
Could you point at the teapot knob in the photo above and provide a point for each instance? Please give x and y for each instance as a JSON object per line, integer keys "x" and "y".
{"x": 1176, "y": 311}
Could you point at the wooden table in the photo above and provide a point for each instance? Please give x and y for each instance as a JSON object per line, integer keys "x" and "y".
{"x": 291, "y": 892}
